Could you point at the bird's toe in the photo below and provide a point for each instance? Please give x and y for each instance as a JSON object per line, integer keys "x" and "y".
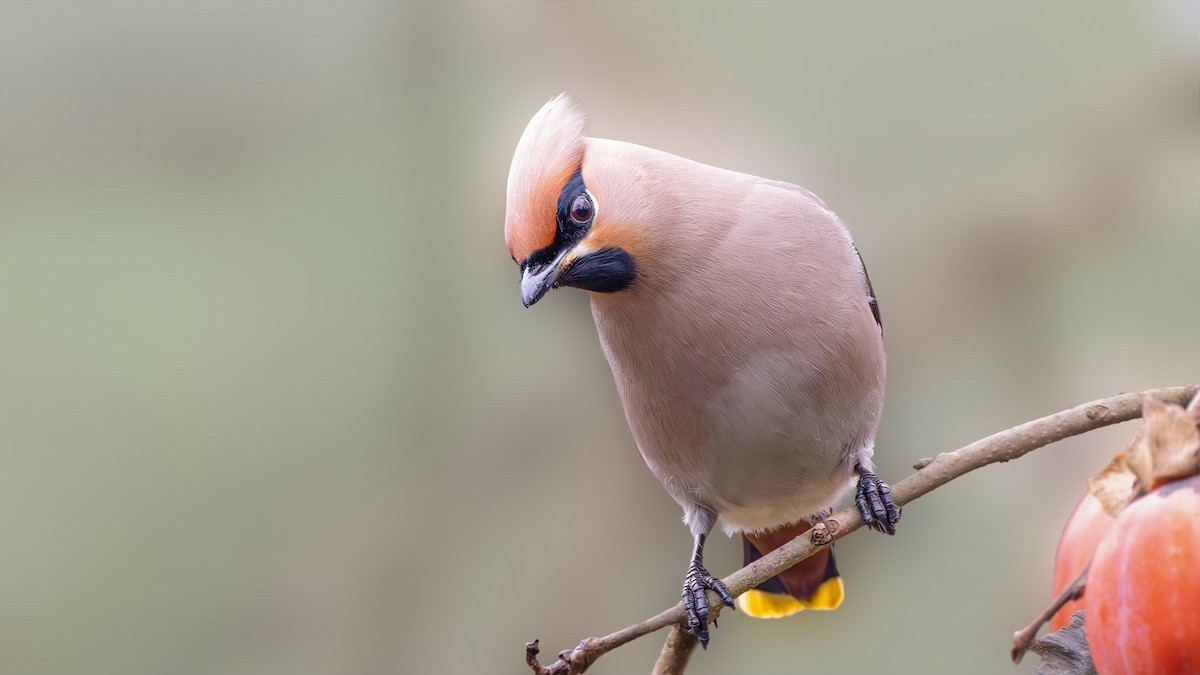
{"x": 875, "y": 504}
{"x": 696, "y": 585}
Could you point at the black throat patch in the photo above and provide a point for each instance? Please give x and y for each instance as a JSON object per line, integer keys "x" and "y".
{"x": 605, "y": 271}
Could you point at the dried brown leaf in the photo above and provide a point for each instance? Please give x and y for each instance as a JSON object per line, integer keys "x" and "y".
{"x": 1115, "y": 486}
{"x": 1065, "y": 652}
{"x": 1193, "y": 410}
{"x": 1166, "y": 446}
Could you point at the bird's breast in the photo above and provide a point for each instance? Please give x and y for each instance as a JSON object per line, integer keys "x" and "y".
{"x": 738, "y": 414}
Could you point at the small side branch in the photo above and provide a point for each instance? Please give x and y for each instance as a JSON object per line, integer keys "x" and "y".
{"x": 675, "y": 652}
{"x": 1024, "y": 637}
{"x": 1001, "y": 447}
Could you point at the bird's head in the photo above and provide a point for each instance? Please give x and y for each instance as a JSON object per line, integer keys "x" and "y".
{"x": 559, "y": 226}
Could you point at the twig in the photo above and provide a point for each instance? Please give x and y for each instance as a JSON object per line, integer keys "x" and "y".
{"x": 675, "y": 652}
{"x": 1024, "y": 637}
{"x": 1001, "y": 447}
{"x": 531, "y": 660}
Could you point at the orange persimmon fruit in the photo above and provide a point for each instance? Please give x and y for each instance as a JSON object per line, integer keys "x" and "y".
{"x": 1085, "y": 529}
{"x": 1142, "y": 602}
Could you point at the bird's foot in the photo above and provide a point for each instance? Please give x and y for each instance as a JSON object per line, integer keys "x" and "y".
{"x": 696, "y": 585}
{"x": 874, "y": 501}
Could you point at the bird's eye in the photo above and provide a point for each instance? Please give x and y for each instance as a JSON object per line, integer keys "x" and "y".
{"x": 582, "y": 209}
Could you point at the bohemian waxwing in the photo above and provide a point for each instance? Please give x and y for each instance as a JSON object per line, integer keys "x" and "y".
{"x": 741, "y": 329}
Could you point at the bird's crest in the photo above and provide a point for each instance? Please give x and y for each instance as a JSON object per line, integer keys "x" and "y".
{"x": 548, "y": 154}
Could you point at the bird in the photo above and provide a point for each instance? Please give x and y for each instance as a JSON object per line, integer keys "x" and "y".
{"x": 743, "y": 334}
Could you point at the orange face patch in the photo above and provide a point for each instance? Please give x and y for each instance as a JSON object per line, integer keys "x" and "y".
{"x": 605, "y": 234}
{"x": 532, "y": 224}
{"x": 609, "y": 228}
{"x": 547, "y": 156}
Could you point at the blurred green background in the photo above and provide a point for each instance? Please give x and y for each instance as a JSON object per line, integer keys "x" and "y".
{"x": 269, "y": 402}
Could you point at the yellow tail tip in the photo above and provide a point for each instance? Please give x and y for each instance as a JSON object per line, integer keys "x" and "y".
{"x": 763, "y": 605}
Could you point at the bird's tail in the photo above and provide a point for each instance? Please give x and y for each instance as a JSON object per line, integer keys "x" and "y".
{"x": 812, "y": 584}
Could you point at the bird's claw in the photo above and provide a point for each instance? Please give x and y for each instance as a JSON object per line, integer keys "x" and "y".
{"x": 696, "y": 585}
{"x": 875, "y": 505}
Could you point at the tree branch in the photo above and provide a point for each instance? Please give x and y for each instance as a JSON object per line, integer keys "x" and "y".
{"x": 675, "y": 652}
{"x": 1024, "y": 637}
{"x": 934, "y": 473}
